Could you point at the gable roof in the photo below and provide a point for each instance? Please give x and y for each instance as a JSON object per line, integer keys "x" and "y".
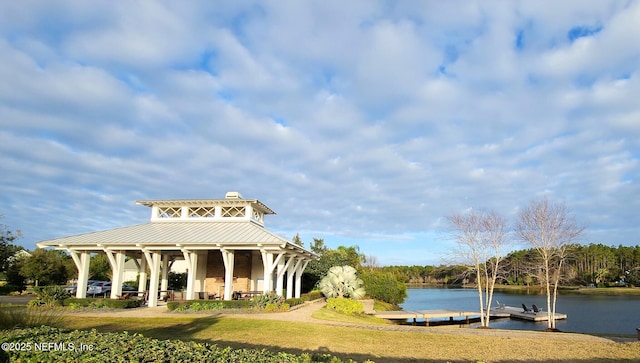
{"x": 178, "y": 235}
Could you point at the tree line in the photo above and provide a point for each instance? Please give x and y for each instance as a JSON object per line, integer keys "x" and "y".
{"x": 592, "y": 264}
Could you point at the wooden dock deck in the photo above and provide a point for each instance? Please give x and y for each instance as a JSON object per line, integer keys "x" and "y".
{"x": 428, "y": 315}
{"x": 464, "y": 316}
{"x": 518, "y": 313}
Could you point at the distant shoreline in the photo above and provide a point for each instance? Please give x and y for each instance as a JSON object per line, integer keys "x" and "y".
{"x": 539, "y": 290}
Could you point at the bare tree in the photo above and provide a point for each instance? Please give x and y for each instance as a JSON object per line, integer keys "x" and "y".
{"x": 481, "y": 241}
{"x": 549, "y": 229}
{"x": 371, "y": 262}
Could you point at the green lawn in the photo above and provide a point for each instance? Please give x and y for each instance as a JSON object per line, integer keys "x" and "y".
{"x": 361, "y": 344}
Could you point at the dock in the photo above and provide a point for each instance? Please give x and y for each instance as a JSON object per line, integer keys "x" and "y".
{"x": 518, "y": 313}
{"x": 428, "y": 315}
{"x": 464, "y": 317}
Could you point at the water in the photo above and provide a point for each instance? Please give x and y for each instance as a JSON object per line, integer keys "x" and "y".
{"x": 591, "y": 314}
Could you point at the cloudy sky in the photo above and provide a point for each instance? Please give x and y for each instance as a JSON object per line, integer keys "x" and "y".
{"x": 361, "y": 122}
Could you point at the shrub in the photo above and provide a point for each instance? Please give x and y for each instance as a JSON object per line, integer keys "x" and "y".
{"x": 205, "y": 305}
{"x": 273, "y": 308}
{"x": 312, "y": 295}
{"x": 294, "y": 301}
{"x": 49, "y": 295}
{"x": 384, "y": 286}
{"x": 261, "y": 301}
{"x": 172, "y": 305}
{"x": 345, "y": 306}
{"x": 98, "y": 303}
{"x": 342, "y": 281}
{"x": 121, "y": 304}
{"x": 123, "y": 347}
{"x": 196, "y": 305}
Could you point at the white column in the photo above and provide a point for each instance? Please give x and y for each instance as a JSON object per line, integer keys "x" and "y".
{"x": 82, "y": 263}
{"x": 282, "y": 269}
{"x": 142, "y": 275}
{"x": 153, "y": 259}
{"x": 192, "y": 262}
{"x": 201, "y": 273}
{"x": 269, "y": 266}
{"x": 290, "y": 274}
{"x": 267, "y": 261}
{"x": 116, "y": 260}
{"x": 228, "y": 257}
{"x": 299, "y": 271}
{"x": 164, "y": 281}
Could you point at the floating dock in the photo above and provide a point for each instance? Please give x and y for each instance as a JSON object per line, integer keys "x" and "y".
{"x": 518, "y": 313}
{"x": 464, "y": 317}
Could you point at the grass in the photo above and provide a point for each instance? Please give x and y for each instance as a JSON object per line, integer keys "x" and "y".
{"x": 332, "y": 315}
{"x": 20, "y": 316}
{"x": 434, "y": 345}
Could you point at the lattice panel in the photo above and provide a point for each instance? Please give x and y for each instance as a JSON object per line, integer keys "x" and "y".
{"x": 256, "y": 216}
{"x": 232, "y": 211}
{"x": 202, "y": 212}
{"x": 169, "y": 212}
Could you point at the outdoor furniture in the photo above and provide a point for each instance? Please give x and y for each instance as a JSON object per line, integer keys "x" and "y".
{"x": 245, "y": 295}
{"x": 535, "y": 309}
{"x": 125, "y": 296}
{"x": 500, "y": 306}
{"x": 526, "y": 309}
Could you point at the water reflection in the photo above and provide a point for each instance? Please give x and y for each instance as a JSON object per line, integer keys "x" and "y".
{"x": 609, "y": 315}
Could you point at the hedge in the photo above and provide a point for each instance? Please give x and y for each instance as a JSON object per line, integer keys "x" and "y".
{"x": 312, "y": 295}
{"x": 102, "y": 303}
{"x": 345, "y": 305}
{"x": 294, "y": 301}
{"x": 209, "y": 304}
{"x": 26, "y": 345}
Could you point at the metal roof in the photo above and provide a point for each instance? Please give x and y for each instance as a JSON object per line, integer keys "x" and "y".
{"x": 179, "y": 234}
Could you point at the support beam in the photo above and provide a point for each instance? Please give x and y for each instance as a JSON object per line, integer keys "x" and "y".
{"x": 282, "y": 269}
{"x": 116, "y": 260}
{"x": 299, "y": 271}
{"x": 153, "y": 259}
{"x": 164, "y": 280}
{"x": 201, "y": 273}
{"x": 228, "y": 257}
{"x": 82, "y": 264}
{"x": 291, "y": 271}
{"x": 269, "y": 265}
{"x": 142, "y": 275}
{"x": 192, "y": 261}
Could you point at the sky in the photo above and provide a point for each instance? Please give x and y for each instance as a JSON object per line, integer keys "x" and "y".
{"x": 364, "y": 123}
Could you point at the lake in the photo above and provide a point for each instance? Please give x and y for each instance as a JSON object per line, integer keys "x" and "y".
{"x": 591, "y": 314}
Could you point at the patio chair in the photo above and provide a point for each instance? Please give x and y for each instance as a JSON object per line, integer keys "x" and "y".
{"x": 526, "y": 310}
{"x": 500, "y": 306}
{"x": 125, "y": 296}
{"x": 535, "y": 309}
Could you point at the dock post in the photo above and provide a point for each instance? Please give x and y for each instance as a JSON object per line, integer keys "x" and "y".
{"x": 414, "y": 321}
{"x": 638, "y": 330}
{"x": 426, "y": 321}
{"x": 467, "y": 319}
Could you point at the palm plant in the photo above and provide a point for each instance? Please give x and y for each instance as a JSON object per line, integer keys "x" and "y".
{"x": 342, "y": 281}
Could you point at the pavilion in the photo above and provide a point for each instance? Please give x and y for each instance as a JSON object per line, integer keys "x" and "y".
{"x": 223, "y": 242}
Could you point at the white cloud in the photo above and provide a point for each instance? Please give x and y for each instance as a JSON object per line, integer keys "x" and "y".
{"x": 363, "y": 123}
